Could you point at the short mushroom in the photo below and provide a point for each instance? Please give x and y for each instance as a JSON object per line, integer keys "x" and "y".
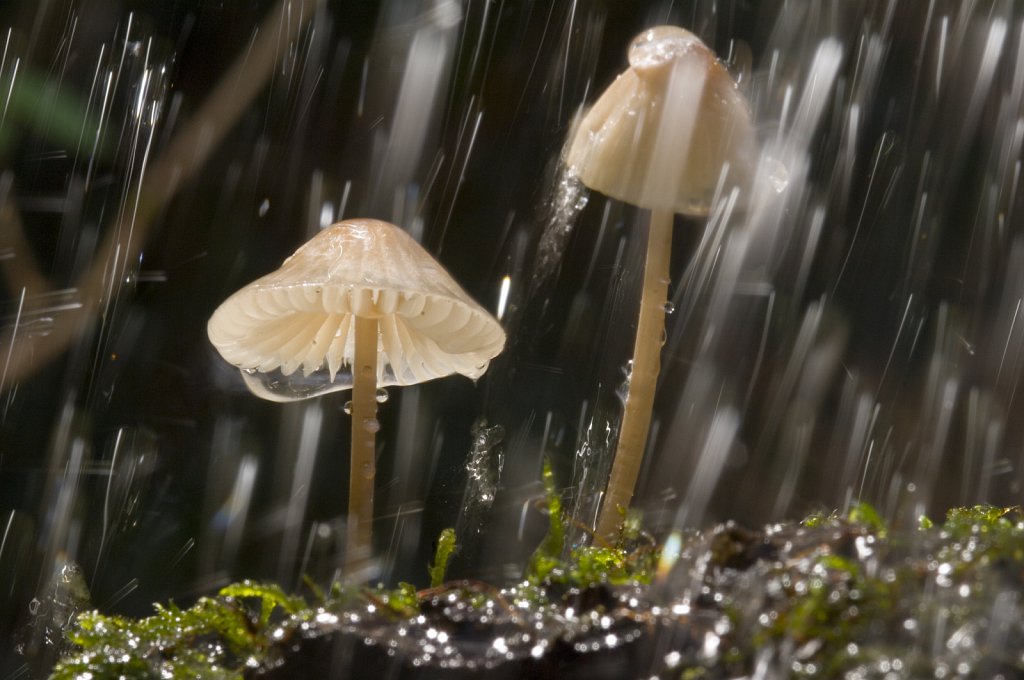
{"x": 360, "y": 305}
{"x": 663, "y": 137}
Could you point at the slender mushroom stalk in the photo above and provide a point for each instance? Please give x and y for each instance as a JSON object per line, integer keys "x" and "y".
{"x": 360, "y": 305}
{"x": 659, "y": 137}
{"x": 362, "y": 465}
{"x": 636, "y": 416}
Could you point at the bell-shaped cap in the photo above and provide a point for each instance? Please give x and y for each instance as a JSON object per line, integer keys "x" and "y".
{"x": 290, "y": 332}
{"x": 661, "y": 134}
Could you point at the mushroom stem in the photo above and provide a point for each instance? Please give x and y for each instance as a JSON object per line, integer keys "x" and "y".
{"x": 364, "y": 434}
{"x": 636, "y": 418}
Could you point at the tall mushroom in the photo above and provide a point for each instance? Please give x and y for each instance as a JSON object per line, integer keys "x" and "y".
{"x": 360, "y": 305}
{"x": 662, "y": 137}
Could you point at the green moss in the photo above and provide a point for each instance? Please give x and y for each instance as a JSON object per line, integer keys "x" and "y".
{"x": 861, "y": 514}
{"x": 865, "y": 515}
{"x": 547, "y": 558}
{"x": 982, "y": 535}
{"x": 268, "y": 596}
{"x": 592, "y": 565}
{"x": 445, "y": 548}
{"x": 983, "y": 519}
{"x": 836, "y": 600}
{"x": 633, "y": 559}
{"x": 215, "y": 638}
{"x": 817, "y": 519}
{"x": 402, "y": 601}
{"x": 833, "y": 603}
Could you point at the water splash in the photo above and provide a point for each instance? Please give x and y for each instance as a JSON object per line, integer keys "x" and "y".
{"x": 51, "y": 614}
{"x": 483, "y": 474}
{"x": 567, "y": 199}
{"x": 590, "y": 471}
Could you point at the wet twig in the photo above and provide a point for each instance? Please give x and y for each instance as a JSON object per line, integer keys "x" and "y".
{"x": 17, "y": 263}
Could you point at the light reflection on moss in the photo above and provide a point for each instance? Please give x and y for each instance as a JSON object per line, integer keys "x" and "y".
{"x": 828, "y": 597}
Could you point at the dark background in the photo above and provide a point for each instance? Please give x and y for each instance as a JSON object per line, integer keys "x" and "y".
{"x": 163, "y": 426}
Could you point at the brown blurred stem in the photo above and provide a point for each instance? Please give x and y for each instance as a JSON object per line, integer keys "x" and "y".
{"x": 186, "y": 153}
{"x": 358, "y": 545}
{"x": 636, "y": 418}
{"x": 18, "y": 264}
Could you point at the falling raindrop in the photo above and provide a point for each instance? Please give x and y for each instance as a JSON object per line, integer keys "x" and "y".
{"x": 669, "y": 307}
{"x": 264, "y": 207}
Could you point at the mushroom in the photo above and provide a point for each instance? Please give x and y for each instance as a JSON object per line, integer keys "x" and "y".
{"x": 360, "y": 305}
{"x": 663, "y": 136}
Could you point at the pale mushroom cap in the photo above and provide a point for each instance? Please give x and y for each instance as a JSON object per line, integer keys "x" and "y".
{"x": 301, "y": 316}
{"x": 659, "y": 136}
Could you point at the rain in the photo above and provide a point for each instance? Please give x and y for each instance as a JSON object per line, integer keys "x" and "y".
{"x": 843, "y": 324}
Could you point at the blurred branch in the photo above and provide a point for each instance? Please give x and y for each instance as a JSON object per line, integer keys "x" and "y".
{"x": 184, "y": 155}
{"x": 17, "y": 263}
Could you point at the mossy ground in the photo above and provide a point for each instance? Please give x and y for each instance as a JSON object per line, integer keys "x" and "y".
{"x": 832, "y": 596}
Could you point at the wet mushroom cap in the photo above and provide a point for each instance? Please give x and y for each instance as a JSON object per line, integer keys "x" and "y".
{"x": 300, "y": 317}
{"x": 659, "y": 136}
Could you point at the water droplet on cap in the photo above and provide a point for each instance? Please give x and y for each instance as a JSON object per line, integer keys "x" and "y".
{"x": 659, "y": 46}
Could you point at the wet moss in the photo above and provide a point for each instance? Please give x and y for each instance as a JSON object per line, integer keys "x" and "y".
{"x": 632, "y": 560}
{"x": 445, "y": 548}
{"x": 217, "y": 637}
{"x": 832, "y": 596}
{"x": 546, "y": 559}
